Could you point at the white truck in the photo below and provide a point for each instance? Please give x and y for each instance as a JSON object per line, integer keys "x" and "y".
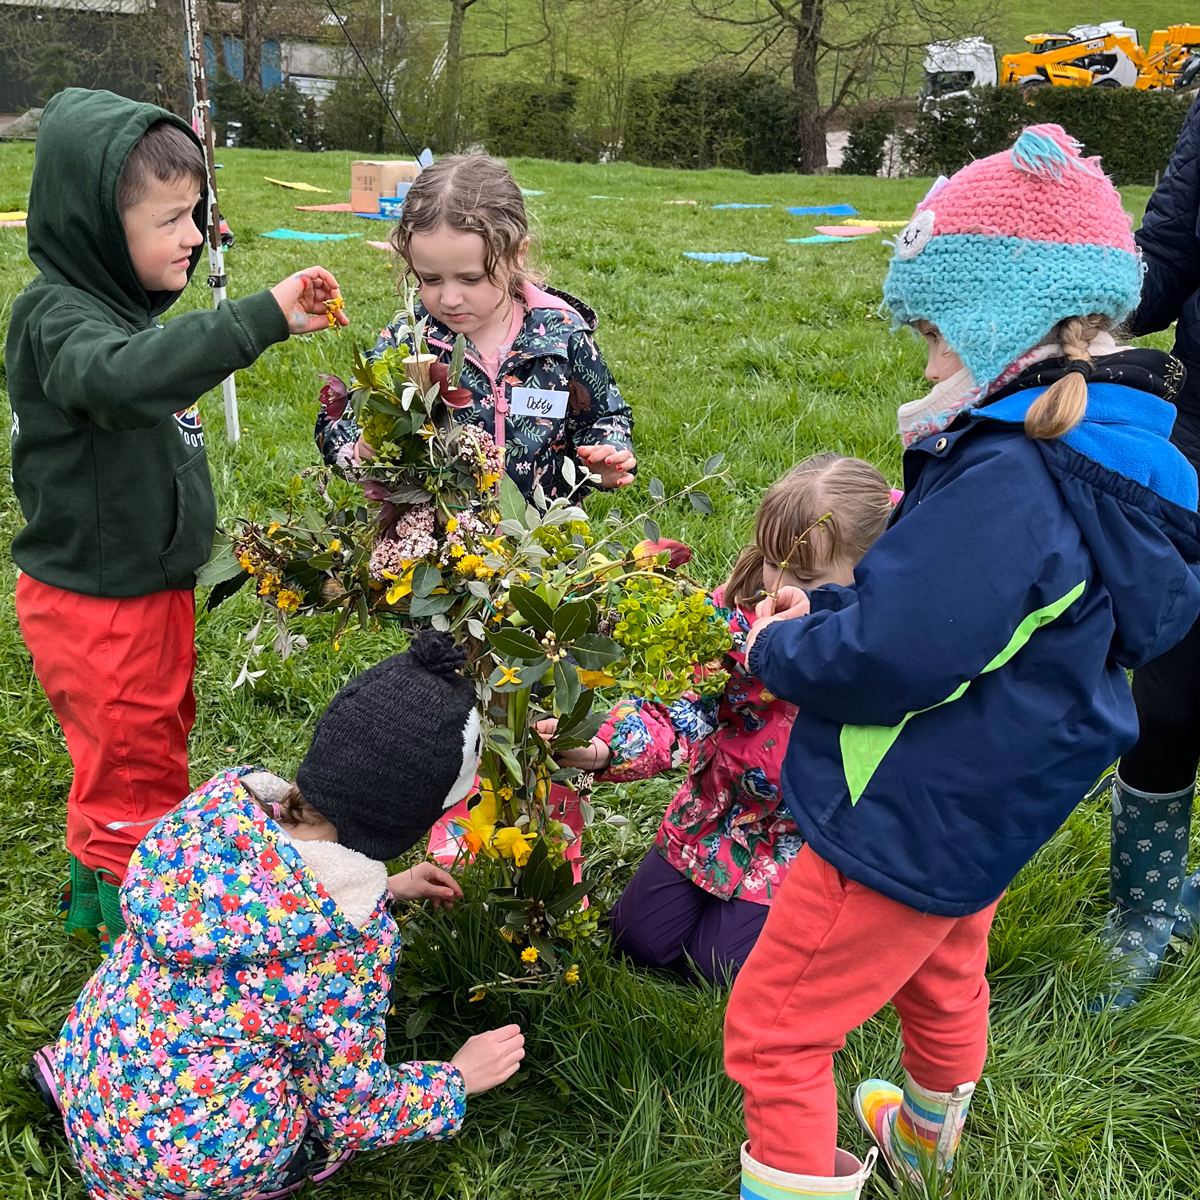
{"x": 953, "y": 68}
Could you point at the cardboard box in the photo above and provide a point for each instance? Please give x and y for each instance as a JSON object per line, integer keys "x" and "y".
{"x": 372, "y": 178}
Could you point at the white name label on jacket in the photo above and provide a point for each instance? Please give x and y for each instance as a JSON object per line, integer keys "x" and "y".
{"x": 538, "y": 402}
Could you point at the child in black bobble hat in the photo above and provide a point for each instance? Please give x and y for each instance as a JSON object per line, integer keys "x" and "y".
{"x": 396, "y": 748}
{"x": 259, "y": 946}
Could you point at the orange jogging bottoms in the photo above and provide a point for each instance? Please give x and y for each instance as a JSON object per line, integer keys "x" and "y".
{"x": 831, "y": 955}
{"x": 118, "y": 674}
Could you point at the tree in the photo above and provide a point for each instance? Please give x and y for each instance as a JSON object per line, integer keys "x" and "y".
{"x": 866, "y": 39}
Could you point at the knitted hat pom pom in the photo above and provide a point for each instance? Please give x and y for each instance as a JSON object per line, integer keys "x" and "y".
{"x": 1045, "y": 150}
{"x": 438, "y": 653}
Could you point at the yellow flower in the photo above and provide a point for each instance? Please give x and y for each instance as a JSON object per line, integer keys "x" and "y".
{"x": 401, "y": 585}
{"x": 272, "y": 529}
{"x": 335, "y": 545}
{"x": 452, "y": 525}
{"x": 456, "y": 551}
{"x": 481, "y": 822}
{"x": 596, "y": 679}
{"x": 506, "y": 793}
{"x": 509, "y": 675}
{"x": 510, "y": 842}
{"x": 571, "y": 978}
{"x": 495, "y": 545}
{"x": 287, "y": 601}
{"x": 246, "y": 563}
{"x": 471, "y": 564}
{"x": 477, "y": 993}
{"x": 529, "y": 955}
{"x": 488, "y": 481}
{"x": 523, "y": 576}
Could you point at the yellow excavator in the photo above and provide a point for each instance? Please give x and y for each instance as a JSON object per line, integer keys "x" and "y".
{"x": 1107, "y": 55}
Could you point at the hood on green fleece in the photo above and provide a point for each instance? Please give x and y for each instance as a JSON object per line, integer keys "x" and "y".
{"x": 216, "y": 882}
{"x": 74, "y": 229}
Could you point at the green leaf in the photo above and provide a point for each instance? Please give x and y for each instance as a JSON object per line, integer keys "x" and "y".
{"x": 594, "y": 651}
{"x": 545, "y": 947}
{"x": 222, "y": 591}
{"x": 650, "y": 530}
{"x": 701, "y": 501}
{"x": 512, "y": 643}
{"x": 457, "y": 357}
{"x": 222, "y": 563}
{"x": 532, "y": 607}
{"x": 563, "y": 904}
{"x": 714, "y": 464}
{"x": 566, "y": 688}
{"x": 537, "y": 877}
{"x": 572, "y": 621}
{"x": 583, "y": 706}
{"x": 512, "y": 503}
{"x": 33, "y": 1152}
{"x": 427, "y": 606}
{"x": 425, "y": 578}
{"x": 657, "y": 491}
{"x": 418, "y": 1020}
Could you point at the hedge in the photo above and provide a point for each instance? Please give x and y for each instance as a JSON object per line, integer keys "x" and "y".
{"x": 536, "y": 120}
{"x": 1132, "y": 131}
{"x": 708, "y": 118}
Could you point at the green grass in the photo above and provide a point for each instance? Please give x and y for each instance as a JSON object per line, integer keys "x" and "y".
{"x": 624, "y": 1095}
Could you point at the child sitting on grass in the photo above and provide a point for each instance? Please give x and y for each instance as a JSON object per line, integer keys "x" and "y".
{"x": 702, "y": 893}
{"x": 955, "y": 703}
{"x": 534, "y": 378}
{"x": 232, "y": 1044}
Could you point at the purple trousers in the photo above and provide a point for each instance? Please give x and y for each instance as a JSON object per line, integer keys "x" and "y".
{"x": 664, "y": 920}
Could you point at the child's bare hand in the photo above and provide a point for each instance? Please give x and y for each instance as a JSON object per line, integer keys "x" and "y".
{"x": 615, "y": 467}
{"x": 593, "y": 757}
{"x": 425, "y": 882}
{"x": 488, "y": 1059}
{"x": 791, "y": 602}
{"x": 303, "y": 296}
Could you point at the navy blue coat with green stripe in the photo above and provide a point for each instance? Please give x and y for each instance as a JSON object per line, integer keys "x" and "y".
{"x": 960, "y": 698}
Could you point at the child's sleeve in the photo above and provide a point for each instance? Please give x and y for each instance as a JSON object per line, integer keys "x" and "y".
{"x": 92, "y": 369}
{"x": 645, "y": 738}
{"x": 936, "y": 599}
{"x": 597, "y": 414}
{"x": 355, "y": 1098}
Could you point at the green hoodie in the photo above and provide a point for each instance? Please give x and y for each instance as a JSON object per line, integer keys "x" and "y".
{"x": 108, "y": 457}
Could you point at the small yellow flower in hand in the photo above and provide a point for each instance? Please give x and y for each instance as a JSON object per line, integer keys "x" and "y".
{"x": 529, "y": 955}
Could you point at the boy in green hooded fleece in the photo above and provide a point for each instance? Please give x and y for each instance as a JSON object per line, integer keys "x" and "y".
{"x": 108, "y": 459}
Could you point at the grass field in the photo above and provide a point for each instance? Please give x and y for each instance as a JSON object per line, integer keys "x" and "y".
{"x": 624, "y": 1095}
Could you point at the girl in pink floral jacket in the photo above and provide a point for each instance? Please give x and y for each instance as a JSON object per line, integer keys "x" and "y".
{"x": 232, "y": 1044}
{"x": 700, "y": 896}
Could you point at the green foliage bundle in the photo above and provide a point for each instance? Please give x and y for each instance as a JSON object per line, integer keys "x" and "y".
{"x": 708, "y": 118}
{"x": 869, "y": 132}
{"x": 279, "y": 118}
{"x": 534, "y": 120}
{"x": 1133, "y": 132}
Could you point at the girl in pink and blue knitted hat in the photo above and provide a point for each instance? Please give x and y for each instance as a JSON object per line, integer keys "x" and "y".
{"x": 959, "y": 697}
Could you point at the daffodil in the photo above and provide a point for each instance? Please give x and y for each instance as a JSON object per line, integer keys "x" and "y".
{"x": 595, "y": 679}
{"x": 529, "y": 955}
{"x": 510, "y": 842}
{"x": 401, "y": 584}
{"x": 508, "y": 675}
{"x": 480, "y": 824}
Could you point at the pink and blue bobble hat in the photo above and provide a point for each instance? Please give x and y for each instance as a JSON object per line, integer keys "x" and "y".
{"x": 1011, "y": 245}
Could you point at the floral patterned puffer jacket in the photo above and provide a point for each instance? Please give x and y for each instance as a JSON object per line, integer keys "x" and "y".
{"x": 726, "y": 829}
{"x": 240, "y": 1005}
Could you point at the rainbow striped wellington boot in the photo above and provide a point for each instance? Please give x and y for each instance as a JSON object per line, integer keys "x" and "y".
{"x": 916, "y": 1130}
{"x": 760, "y": 1182}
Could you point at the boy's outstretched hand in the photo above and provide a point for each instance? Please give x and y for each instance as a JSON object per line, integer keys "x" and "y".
{"x": 789, "y": 603}
{"x": 593, "y": 757}
{"x": 488, "y": 1059}
{"x": 425, "y": 882}
{"x": 303, "y": 296}
{"x": 615, "y": 467}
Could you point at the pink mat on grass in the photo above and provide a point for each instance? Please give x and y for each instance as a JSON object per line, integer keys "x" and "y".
{"x": 847, "y": 231}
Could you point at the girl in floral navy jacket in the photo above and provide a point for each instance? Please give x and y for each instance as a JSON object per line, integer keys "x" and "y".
{"x": 232, "y": 1044}
{"x": 534, "y": 378}
{"x": 701, "y": 895}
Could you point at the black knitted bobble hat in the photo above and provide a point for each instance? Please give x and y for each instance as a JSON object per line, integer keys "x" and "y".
{"x": 397, "y": 747}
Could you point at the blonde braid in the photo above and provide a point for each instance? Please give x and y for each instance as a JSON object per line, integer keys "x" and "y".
{"x": 1062, "y": 405}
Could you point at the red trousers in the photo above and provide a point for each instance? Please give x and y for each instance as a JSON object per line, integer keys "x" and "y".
{"x": 830, "y": 956}
{"x": 118, "y": 674}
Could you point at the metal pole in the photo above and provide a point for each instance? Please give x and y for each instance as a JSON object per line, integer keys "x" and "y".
{"x": 202, "y": 124}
